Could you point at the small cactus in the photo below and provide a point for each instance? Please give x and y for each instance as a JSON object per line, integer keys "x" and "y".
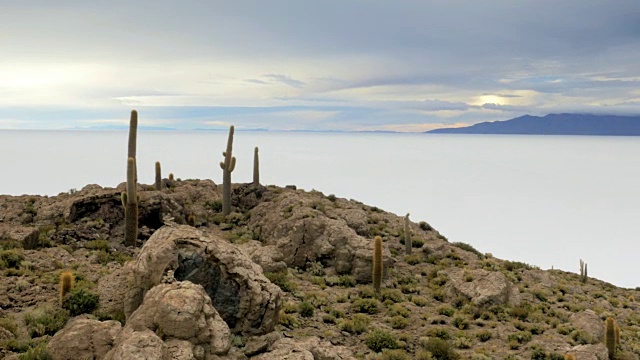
{"x": 377, "y": 264}
{"x": 583, "y": 271}
{"x": 227, "y": 166}
{"x": 407, "y": 235}
{"x": 158, "y": 183}
{"x": 256, "y": 168}
{"x": 65, "y": 284}
{"x": 610, "y": 338}
{"x": 171, "y": 177}
{"x": 130, "y": 202}
{"x": 569, "y": 357}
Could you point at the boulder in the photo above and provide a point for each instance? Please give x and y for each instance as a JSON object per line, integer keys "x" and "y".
{"x": 589, "y": 322}
{"x": 247, "y": 301}
{"x": 183, "y": 311}
{"x": 308, "y": 348}
{"x": 113, "y": 289}
{"x": 138, "y": 345}
{"x": 26, "y": 236}
{"x": 296, "y": 224}
{"x": 590, "y": 352}
{"x": 84, "y": 338}
{"x": 267, "y": 256}
{"x": 482, "y": 287}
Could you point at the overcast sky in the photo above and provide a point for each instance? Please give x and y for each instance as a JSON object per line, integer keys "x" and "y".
{"x": 317, "y": 65}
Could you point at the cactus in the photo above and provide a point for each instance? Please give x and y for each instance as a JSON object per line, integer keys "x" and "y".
{"x": 569, "y": 357}
{"x": 65, "y": 284}
{"x": 133, "y": 134}
{"x": 158, "y": 176}
{"x": 377, "y": 264}
{"x": 227, "y": 167}
{"x": 610, "y": 337}
{"x": 583, "y": 271}
{"x": 256, "y": 168}
{"x": 617, "y": 334}
{"x": 171, "y": 177}
{"x": 407, "y": 235}
{"x": 130, "y": 202}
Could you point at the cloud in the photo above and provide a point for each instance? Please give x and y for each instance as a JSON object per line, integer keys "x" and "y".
{"x": 285, "y": 79}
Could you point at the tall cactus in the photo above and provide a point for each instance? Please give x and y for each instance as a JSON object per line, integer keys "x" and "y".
{"x": 407, "y": 235}
{"x": 377, "y": 264}
{"x": 610, "y": 337}
{"x": 256, "y": 168}
{"x": 133, "y": 135}
{"x": 158, "y": 183}
{"x": 583, "y": 271}
{"x": 227, "y": 167}
{"x": 130, "y": 203}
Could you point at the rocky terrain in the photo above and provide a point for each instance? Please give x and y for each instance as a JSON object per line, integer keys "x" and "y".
{"x": 287, "y": 275}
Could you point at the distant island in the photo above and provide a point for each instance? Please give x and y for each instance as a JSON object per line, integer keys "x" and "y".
{"x": 555, "y": 124}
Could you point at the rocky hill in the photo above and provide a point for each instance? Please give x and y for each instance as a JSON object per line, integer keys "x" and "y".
{"x": 287, "y": 275}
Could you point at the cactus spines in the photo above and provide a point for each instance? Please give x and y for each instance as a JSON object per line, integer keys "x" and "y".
{"x": 130, "y": 200}
{"x": 65, "y": 284}
{"x": 158, "y": 183}
{"x": 377, "y": 264}
{"x": 569, "y": 357}
{"x": 256, "y": 168}
{"x": 227, "y": 167}
{"x": 610, "y": 337}
{"x": 407, "y": 235}
{"x": 133, "y": 134}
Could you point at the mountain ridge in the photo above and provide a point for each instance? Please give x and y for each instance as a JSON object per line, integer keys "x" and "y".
{"x": 554, "y": 124}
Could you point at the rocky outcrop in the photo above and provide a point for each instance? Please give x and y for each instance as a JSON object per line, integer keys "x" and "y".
{"x": 309, "y": 348}
{"x": 182, "y": 311}
{"x": 246, "y": 300}
{"x": 267, "y": 256}
{"x": 590, "y": 352}
{"x": 139, "y": 345}
{"x": 83, "y": 338}
{"x": 27, "y": 237}
{"x": 589, "y": 322}
{"x": 299, "y": 228}
{"x": 482, "y": 287}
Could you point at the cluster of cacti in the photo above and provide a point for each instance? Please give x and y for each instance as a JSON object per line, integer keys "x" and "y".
{"x": 65, "y": 284}
{"x": 256, "y": 168}
{"x": 583, "y": 271}
{"x": 377, "y": 264}
{"x": 569, "y": 357}
{"x": 227, "y": 166}
{"x": 407, "y": 235}
{"x": 158, "y": 183}
{"x": 611, "y": 336}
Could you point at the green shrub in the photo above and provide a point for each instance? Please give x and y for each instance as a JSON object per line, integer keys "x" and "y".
{"x": 438, "y": 332}
{"x": 440, "y": 349}
{"x": 461, "y": 323}
{"x": 97, "y": 245}
{"x": 347, "y": 281}
{"x": 38, "y": 352}
{"x": 419, "y": 301}
{"x": 395, "y": 354}
{"x": 397, "y": 309}
{"x": 380, "y": 339}
{"x": 398, "y": 322}
{"x": 424, "y": 226}
{"x": 287, "y": 320}
{"x": 10, "y": 259}
{"x": 357, "y": 325}
{"x": 392, "y": 295}
{"x": 520, "y": 337}
{"x": 305, "y": 309}
{"x": 46, "y": 320}
{"x": 281, "y": 279}
{"x": 484, "y": 335}
{"x": 469, "y": 248}
{"x": 80, "y": 301}
{"x": 446, "y": 310}
{"x": 9, "y": 324}
{"x": 367, "y": 306}
{"x": 414, "y": 259}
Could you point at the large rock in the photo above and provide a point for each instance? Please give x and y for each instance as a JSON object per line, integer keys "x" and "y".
{"x": 183, "y": 311}
{"x": 589, "y": 322}
{"x": 482, "y": 287}
{"x": 27, "y": 237}
{"x": 246, "y": 300}
{"x": 296, "y": 224}
{"x": 590, "y": 352}
{"x": 267, "y": 256}
{"x": 83, "y": 338}
{"x": 138, "y": 345}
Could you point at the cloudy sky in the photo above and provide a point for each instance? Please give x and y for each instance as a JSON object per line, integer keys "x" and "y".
{"x": 314, "y": 65}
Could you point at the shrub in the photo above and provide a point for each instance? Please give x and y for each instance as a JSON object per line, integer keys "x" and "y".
{"x": 46, "y": 320}
{"x": 461, "y": 323}
{"x": 398, "y": 322}
{"x": 419, "y": 301}
{"x": 380, "y": 339}
{"x": 413, "y": 259}
{"x": 469, "y": 248}
{"x": 80, "y": 301}
{"x": 368, "y": 306}
{"x": 397, "y": 309}
{"x": 424, "y": 226}
{"x": 347, "y": 281}
{"x": 38, "y": 352}
{"x": 484, "y": 335}
{"x": 358, "y": 325}
{"x": 305, "y": 309}
{"x": 392, "y": 295}
{"x": 10, "y": 259}
{"x": 281, "y": 279}
{"x": 440, "y": 349}
{"x": 446, "y": 310}
{"x": 394, "y": 355}
{"x": 287, "y": 320}
{"x": 97, "y": 245}
{"x": 9, "y": 324}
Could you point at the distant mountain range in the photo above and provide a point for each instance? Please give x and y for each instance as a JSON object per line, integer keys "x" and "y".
{"x": 555, "y": 124}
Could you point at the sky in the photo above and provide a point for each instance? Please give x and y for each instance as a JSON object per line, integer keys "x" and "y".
{"x": 348, "y": 65}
